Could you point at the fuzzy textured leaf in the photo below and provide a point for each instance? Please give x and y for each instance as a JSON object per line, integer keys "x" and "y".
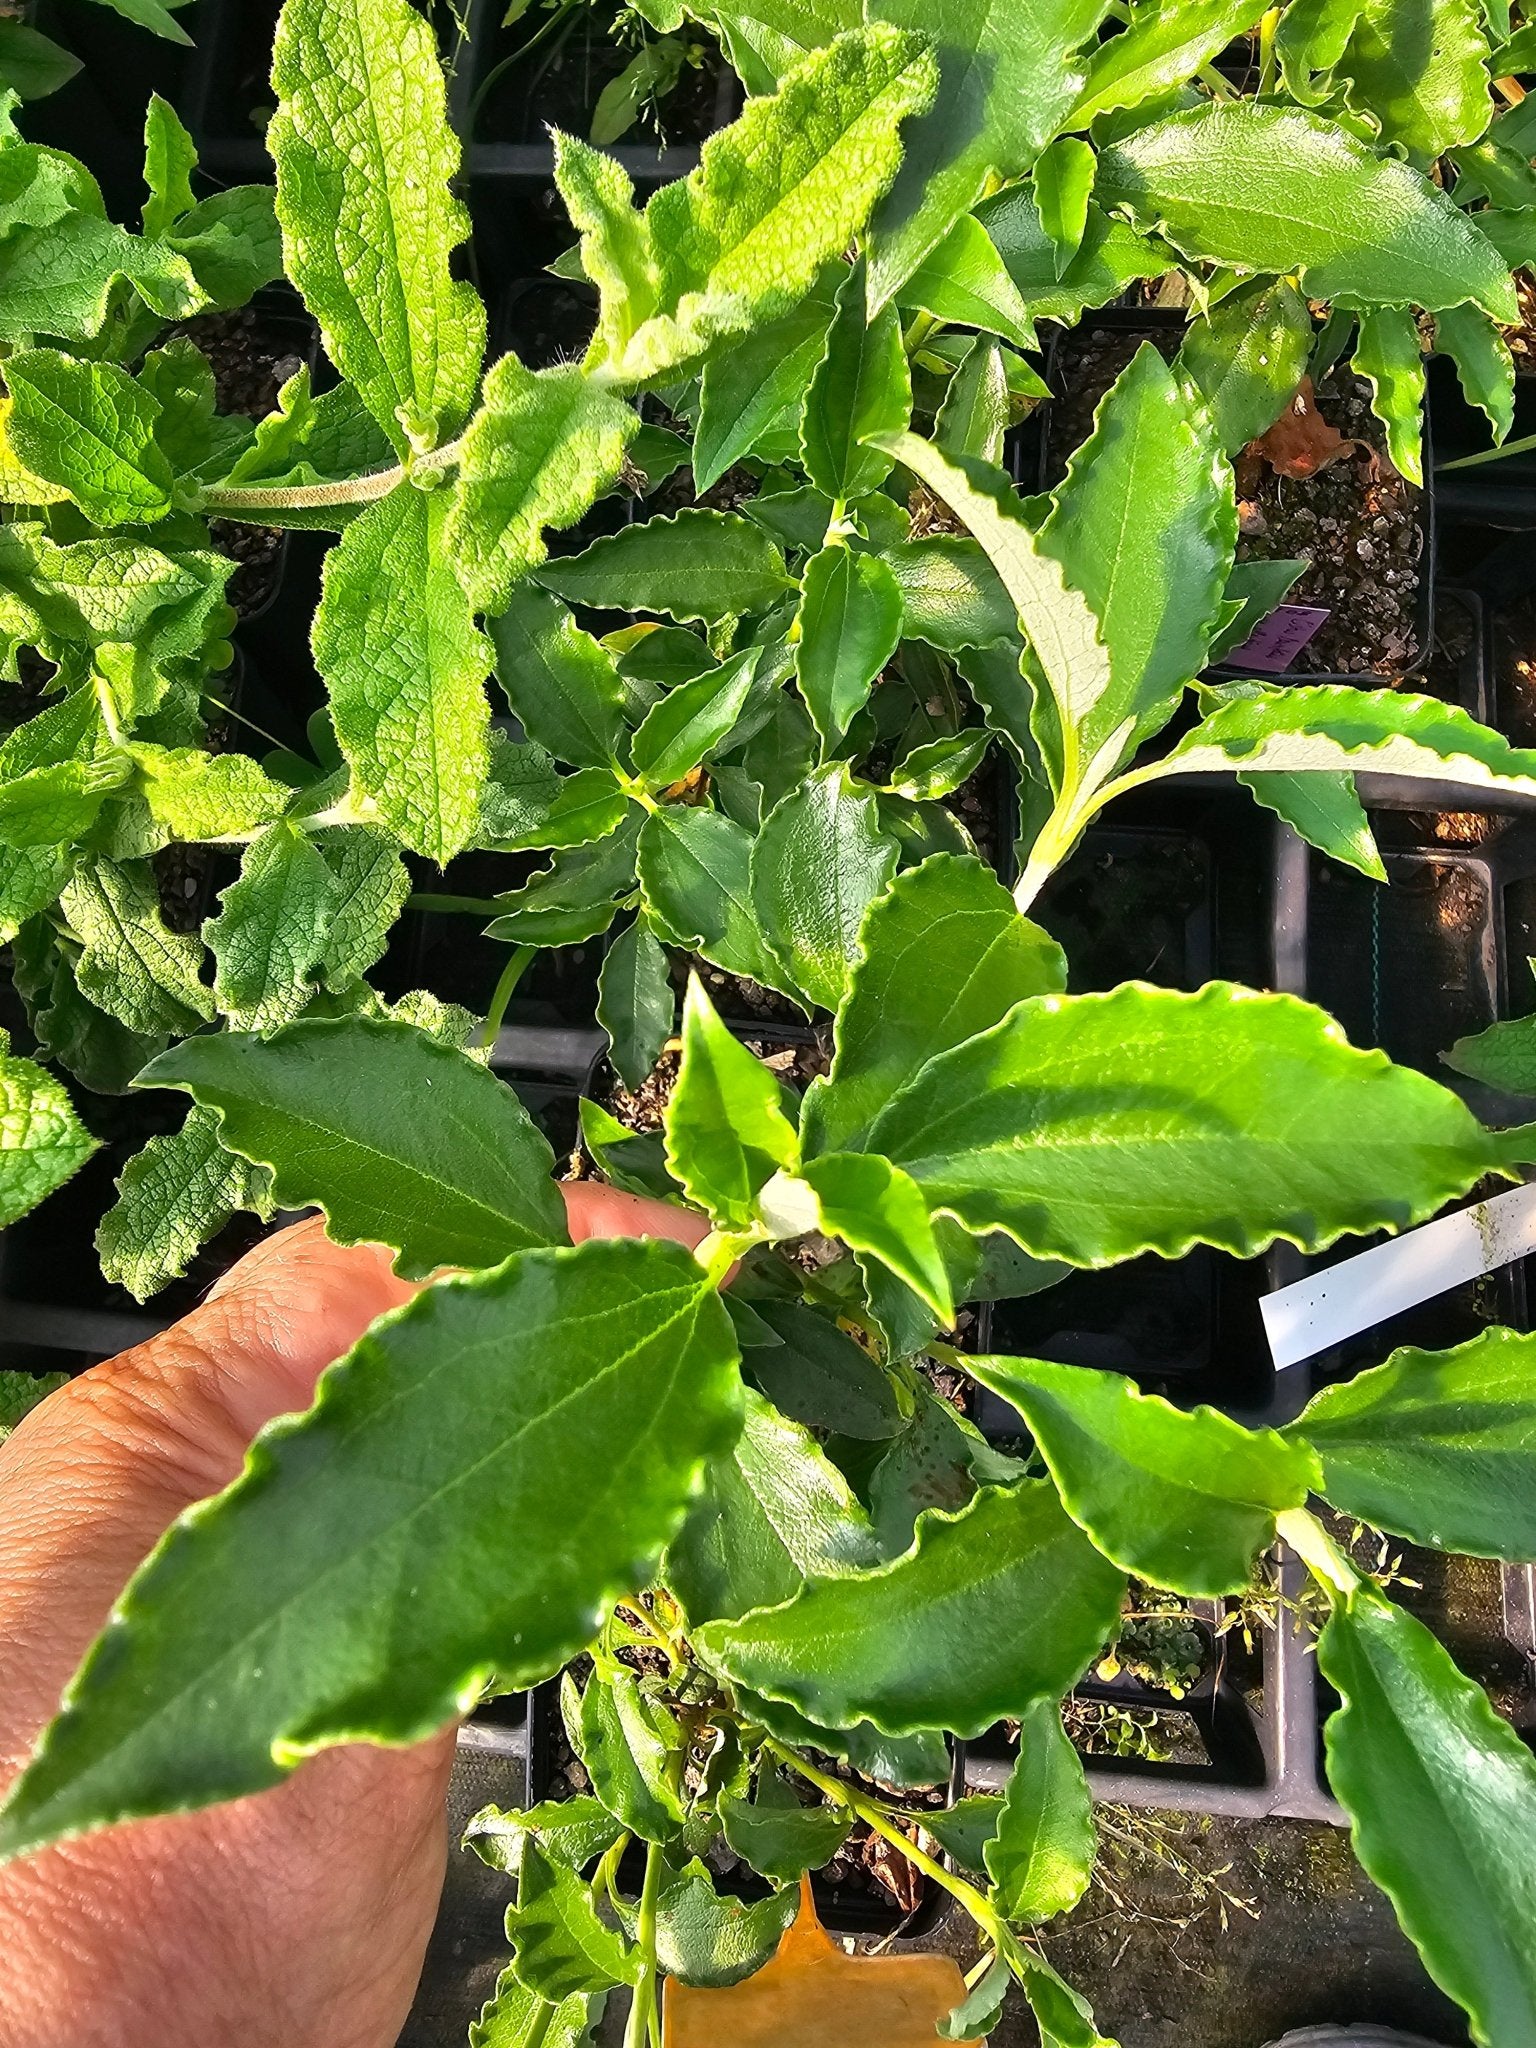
{"x": 269, "y": 940}
{"x": 133, "y": 966}
{"x": 174, "y": 1195}
{"x": 90, "y": 430}
{"x": 42, "y": 1141}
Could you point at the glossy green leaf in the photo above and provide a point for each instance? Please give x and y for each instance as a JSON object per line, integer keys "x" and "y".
{"x": 42, "y": 1141}
{"x": 33, "y": 65}
{"x": 992, "y": 1608}
{"x": 1439, "y": 1792}
{"x": 690, "y": 723}
{"x": 405, "y": 666}
{"x": 1484, "y": 365}
{"x": 982, "y": 2007}
{"x": 876, "y": 1209}
{"x": 775, "y": 1512}
{"x": 1437, "y": 1446}
{"x": 975, "y": 413}
{"x": 636, "y": 1002}
{"x": 778, "y": 1837}
{"x": 1041, "y": 1853}
{"x": 1093, "y": 1128}
{"x": 861, "y": 386}
{"x": 1063, "y": 186}
{"x": 1144, "y": 524}
{"x": 319, "y": 1103}
{"x": 964, "y": 281}
{"x": 559, "y": 681}
{"x": 174, "y": 1195}
{"x": 1182, "y": 1497}
{"x": 703, "y": 1937}
{"x": 1275, "y": 189}
{"x": 964, "y": 1829}
{"x": 1161, "y": 46}
{"x": 698, "y": 564}
{"x": 152, "y": 15}
{"x": 543, "y": 447}
{"x": 695, "y": 882}
{"x": 943, "y": 954}
{"x": 940, "y": 767}
{"x": 951, "y": 596}
{"x": 1008, "y": 78}
{"x": 1255, "y": 587}
{"x": 583, "y": 1388}
{"x": 1417, "y": 69}
{"x": 1327, "y": 813}
{"x": 820, "y": 1376}
{"x": 575, "y": 897}
{"x": 561, "y": 1949}
{"x": 1247, "y": 357}
{"x": 573, "y": 1831}
{"x": 726, "y": 1129}
{"x": 1387, "y": 354}
{"x": 819, "y": 862}
{"x": 1110, "y": 257}
{"x": 365, "y": 159}
{"x": 751, "y": 381}
{"x": 88, "y": 429}
{"x": 850, "y": 621}
{"x": 627, "y": 1748}
{"x": 269, "y": 940}
{"x": 133, "y": 965}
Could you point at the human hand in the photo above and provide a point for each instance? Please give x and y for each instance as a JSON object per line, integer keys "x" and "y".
{"x": 294, "y": 1919}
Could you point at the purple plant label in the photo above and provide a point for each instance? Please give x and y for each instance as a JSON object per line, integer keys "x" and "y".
{"x": 1277, "y": 641}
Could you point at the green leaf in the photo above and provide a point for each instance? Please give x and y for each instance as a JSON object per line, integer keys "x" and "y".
{"x": 152, "y": 15}
{"x": 976, "y": 410}
{"x": 1309, "y": 727}
{"x": 950, "y": 593}
{"x": 21, "y": 1392}
{"x": 776, "y": 196}
{"x": 560, "y": 682}
{"x": 992, "y": 1608}
{"x": 1387, "y": 353}
{"x": 1484, "y": 365}
{"x": 965, "y": 281}
{"x": 33, "y": 65}
{"x": 232, "y": 245}
{"x": 170, "y": 158}
{"x": 365, "y": 159}
{"x": 561, "y": 1948}
{"x": 636, "y": 1003}
{"x": 90, "y": 430}
{"x": 626, "y": 1747}
{"x": 1274, "y": 189}
{"x": 323, "y": 438}
{"x": 1437, "y": 1446}
{"x": 964, "y": 1829}
{"x": 860, "y": 387}
{"x": 778, "y": 1837}
{"x": 1439, "y": 1793}
{"x": 982, "y": 2007}
{"x": 688, "y": 725}
{"x": 541, "y": 450}
{"x": 875, "y": 1208}
{"x": 269, "y": 939}
{"x": 695, "y": 882}
{"x": 819, "y": 862}
{"x": 1255, "y": 587}
{"x": 583, "y": 1388}
{"x": 1247, "y": 357}
{"x": 172, "y": 1196}
{"x": 1184, "y": 1498}
{"x": 1144, "y": 524}
{"x": 822, "y": 1378}
{"x": 197, "y": 795}
{"x": 1163, "y": 45}
{"x": 101, "y": 1052}
{"x": 775, "y": 1512}
{"x": 1008, "y": 79}
{"x": 943, "y": 955}
{"x": 52, "y": 806}
{"x": 133, "y": 966}
{"x": 405, "y": 666}
{"x": 572, "y": 1831}
{"x": 319, "y": 1103}
{"x": 65, "y": 279}
{"x": 1504, "y": 1056}
{"x": 727, "y": 1133}
{"x": 372, "y": 883}
{"x": 510, "y": 2018}
{"x": 1041, "y": 1853}
{"x": 698, "y": 564}
{"x": 850, "y": 621}
{"x": 42, "y": 1141}
{"x": 751, "y": 381}
{"x": 1010, "y": 1130}
{"x": 1063, "y": 184}
{"x": 1111, "y": 256}
{"x": 1417, "y": 69}
{"x": 702, "y": 1938}
{"x": 1327, "y": 813}
{"x": 939, "y": 768}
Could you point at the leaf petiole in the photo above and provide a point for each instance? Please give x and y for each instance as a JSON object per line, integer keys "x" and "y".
{"x": 642, "y": 2011}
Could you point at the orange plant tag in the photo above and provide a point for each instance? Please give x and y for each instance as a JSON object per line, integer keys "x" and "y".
{"x": 812, "y": 1995}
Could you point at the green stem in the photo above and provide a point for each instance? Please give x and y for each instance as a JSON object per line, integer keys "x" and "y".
{"x": 603, "y": 1877}
{"x": 1267, "y": 27}
{"x": 254, "y": 502}
{"x": 538, "y": 2033}
{"x": 516, "y": 967}
{"x": 1521, "y": 447}
{"x": 877, "y": 1817}
{"x": 472, "y": 906}
{"x": 642, "y": 2011}
{"x": 919, "y": 328}
{"x": 1210, "y": 76}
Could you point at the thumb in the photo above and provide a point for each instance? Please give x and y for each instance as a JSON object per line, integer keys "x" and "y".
{"x": 94, "y": 1476}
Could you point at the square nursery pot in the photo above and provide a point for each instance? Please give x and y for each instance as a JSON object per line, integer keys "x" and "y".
{"x": 1499, "y": 494}
{"x": 1371, "y": 540}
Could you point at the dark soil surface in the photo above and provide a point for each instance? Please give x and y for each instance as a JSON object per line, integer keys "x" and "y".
{"x": 558, "y": 83}
{"x": 1356, "y": 522}
{"x": 1522, "y": 339}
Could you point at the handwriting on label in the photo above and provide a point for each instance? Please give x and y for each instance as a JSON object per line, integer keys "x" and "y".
{"x": 1277, "y": 641}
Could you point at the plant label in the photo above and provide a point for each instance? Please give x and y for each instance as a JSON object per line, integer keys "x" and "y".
{"x": 1277, "y": 640}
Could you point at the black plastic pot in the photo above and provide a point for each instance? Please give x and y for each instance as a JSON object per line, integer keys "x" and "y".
{"x": 1499, "y": 494}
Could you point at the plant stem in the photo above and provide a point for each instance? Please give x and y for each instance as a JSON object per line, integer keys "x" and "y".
{"x": 876, "y": 1816}
{"x": 643, "y": 2008}
{"x": 538, "y": 2034}
{"x": 1267, "y": 27}
{"x": 472, "y": 906}
{"x": 254, "y": 501}
{"x": 511, "y": 975}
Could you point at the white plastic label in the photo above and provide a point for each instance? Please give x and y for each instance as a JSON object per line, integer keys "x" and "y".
{"x": 1314, "y": 1314}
